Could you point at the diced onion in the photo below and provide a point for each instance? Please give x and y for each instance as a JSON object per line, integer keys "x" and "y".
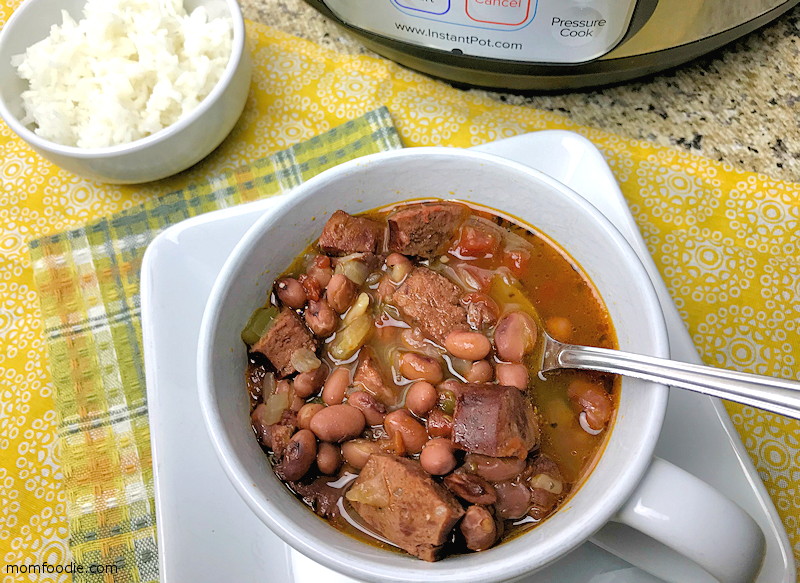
{"x": 350, "y": 338}
{"x": 354, "y": 269}
{"x": 358, "y": 309}
{"x": 372, "y": 492}
{"x": 303, "y": 360}
{"x": 275, "y": 406}
{"x": 545, "y": 482}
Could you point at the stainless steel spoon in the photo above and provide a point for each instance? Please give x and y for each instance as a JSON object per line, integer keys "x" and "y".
{"x": 770, "y": 393}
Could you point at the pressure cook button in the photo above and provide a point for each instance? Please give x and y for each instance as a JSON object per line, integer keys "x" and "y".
{"x": 578, "y": 26}
{"x": 503, "y": 12}
{"x": 429, "y": 6}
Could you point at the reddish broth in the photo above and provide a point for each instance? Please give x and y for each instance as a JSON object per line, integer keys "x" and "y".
{"x": 494, "y": 266}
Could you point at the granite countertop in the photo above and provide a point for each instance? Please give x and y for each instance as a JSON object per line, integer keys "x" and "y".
{"x": 740, "y": 104}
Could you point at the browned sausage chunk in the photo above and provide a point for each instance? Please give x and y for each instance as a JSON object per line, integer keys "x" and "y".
{"x": 344, "y": 233}
{"x": 370, "y": 376}
{"x": 286, "y": 334}
{"x": 399, "y": 500}
{"x": 494, "y": 420}
{"x": 431, "y": 302}
{"x": 425, "y": 229}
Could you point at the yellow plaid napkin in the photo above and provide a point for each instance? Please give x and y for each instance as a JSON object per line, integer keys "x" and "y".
{"x": 726, "y": 242}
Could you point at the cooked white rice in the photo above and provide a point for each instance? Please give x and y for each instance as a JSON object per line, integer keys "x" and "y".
{"x": 126, "y": 70}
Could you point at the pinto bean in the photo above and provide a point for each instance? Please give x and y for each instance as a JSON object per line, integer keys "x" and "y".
{"x": 513, "y": 499}
{"x": 290, "y": 292}
{"x": 374, "y": 411}
{"x": 421, "y": 398}
{"x": 417, "y": 366}
{"x": 437, "y": 457}
{"x": 335, "y": 386}
{"x": 298, "y": 456}
{"x": 410, "y": 430}
{"x": 514, "y": 336}
{"x": 480, "y": 371}
{"x": 321, "y": 318}
{"x": 308, "y": 383}
{"x": 305, "y": 414}
{"x": 356, "y": 452}
{"x": 479, "y": 528}
{"x": 494, "y": 469}
{"x": 439, "y": 424}
{"x": 467, "y": 345}
{"x": 512, "y": 375}
{"x": 399, "y": 267}
{"x": 591, "y": 399}
{"x": 337, "y": 423}
{"x": 341, "y": 292}
{"x": 470, "y": 487}
{"x": 329, "y": 458}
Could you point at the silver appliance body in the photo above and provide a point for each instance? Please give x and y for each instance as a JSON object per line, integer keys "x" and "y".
{"x": 547, "y": 44}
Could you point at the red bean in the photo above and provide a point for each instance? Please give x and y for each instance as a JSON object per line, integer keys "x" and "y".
{"x": 421, "y": 398}
{"x": 321, "y": 318}
{"x": 471, "y": 488}
{"x": 513, "y": 499}
{"x": 479, "y": 528}
{"x": 374, "y": 411}
{"x": 480, "y": 371}
{"x": 514, "y": 336}
{"x": 305, "y": 414}
{"x": 416, "y": 366}
{"x": 467, "y": 345}
{"x": 410, "y": 430}
{"x": 329, "y": 458}
{"x": 494, "y": 469}
{"x": 341, "y": 292}
{"x": 298, "y": 456}
{"x": 335, "y": 386}
{"x": 512, "y": 375}
{"x": 437, "y": 457}
{"x": 338, "y": 423}
{"x": 356, "y": 452}
{"x": 439, "y": 424}
{"x": 290, "y": 292}
{"x": 592, "y": 399}
{"x": 308, "y": 383}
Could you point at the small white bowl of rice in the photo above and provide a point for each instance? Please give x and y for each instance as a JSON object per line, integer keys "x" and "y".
{"x": 124, "y": 91}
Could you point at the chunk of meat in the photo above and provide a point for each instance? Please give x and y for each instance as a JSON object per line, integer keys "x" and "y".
{"x": 425, "y": 229}
{"x": 344, "y": 233}
{"x": 431, "y": 302}
{"x": 370, "y": 376}
{"x": 399, "y": 500}
{"x": 494, "y": 420}
{"x": 286, "y": 334}
{"x": 319, "y": 495}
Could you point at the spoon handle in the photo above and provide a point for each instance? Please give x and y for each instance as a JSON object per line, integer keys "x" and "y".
{"x": 770, "y": 393}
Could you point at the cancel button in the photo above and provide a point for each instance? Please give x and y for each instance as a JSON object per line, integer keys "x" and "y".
{"x": 578, "y": 26}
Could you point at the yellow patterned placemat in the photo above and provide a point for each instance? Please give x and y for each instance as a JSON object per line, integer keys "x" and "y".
{"x": 725, "y": 241}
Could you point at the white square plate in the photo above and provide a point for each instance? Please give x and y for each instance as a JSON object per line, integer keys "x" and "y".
{"x": 207, "y": 533}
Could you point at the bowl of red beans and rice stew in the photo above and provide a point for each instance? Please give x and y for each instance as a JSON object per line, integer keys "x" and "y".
{"x": 369, "y": 368}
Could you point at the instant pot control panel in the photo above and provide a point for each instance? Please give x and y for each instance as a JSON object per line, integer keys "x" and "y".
{"x": 543, "y": 31}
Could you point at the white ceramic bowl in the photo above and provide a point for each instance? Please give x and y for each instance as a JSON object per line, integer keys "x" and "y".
{"x": 374, "y": 181}
{"x": 164, "y": 153}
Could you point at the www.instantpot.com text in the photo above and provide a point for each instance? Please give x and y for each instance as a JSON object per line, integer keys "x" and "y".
{"x": 457, "y": 38}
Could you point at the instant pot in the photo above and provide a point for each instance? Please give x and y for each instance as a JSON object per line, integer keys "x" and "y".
{"x": 547, "y": 44}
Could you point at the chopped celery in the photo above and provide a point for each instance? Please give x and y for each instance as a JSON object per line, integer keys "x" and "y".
{"x": 258, "y": 324}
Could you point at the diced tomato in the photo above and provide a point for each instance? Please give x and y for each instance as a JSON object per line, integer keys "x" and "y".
{"x": 474, "y": 242}
{"x": 517, "y": 260}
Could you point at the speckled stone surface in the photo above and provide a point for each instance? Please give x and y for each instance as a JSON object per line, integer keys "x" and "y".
{"x": 740, "y": 104}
